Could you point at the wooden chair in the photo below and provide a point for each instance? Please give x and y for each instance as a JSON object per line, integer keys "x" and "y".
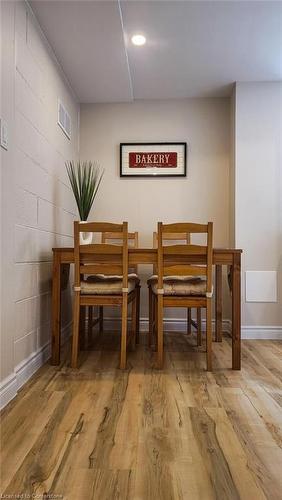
{"x": 132, "y": 242}
{"x": 190, "y": 285}
{"x": 95, "y": 261}
{"x": 170, "y": 238}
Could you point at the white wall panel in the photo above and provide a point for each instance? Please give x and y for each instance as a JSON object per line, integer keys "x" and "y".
{"x": 258, "y": 200}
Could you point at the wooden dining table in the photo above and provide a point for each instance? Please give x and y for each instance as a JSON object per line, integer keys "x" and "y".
{"x": 63, "y": 257}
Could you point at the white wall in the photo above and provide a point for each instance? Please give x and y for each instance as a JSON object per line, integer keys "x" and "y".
{"x": 232, "y": 169}
{"x": 202, "y": 196}
{"x": 258, "y": 194}
{"x": 38, "y": 206}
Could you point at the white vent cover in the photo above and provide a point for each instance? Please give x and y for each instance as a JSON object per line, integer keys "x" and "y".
{"x": 64, "y": 120}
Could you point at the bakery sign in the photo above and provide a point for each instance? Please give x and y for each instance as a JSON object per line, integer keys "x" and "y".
{"x": 153, "y": 159}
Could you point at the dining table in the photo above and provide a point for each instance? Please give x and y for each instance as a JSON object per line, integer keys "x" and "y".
{"x": 63, "y": 257}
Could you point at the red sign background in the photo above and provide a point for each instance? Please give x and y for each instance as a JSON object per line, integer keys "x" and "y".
{"x": 152, "y": 160}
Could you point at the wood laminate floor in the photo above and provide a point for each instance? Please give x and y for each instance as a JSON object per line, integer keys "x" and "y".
{"x": 182, "y": 433}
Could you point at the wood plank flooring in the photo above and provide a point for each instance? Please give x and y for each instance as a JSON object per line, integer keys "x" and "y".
{"x": 181, "y": 433}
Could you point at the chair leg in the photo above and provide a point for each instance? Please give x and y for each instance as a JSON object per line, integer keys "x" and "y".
{"x": 160, "y": 301}
{"x": 156, "y": 319}
{"x": 150, "y": 316}
{"x": 123, "y": 332}
{"x": 134, "y": 322}
{"x": 138, "y": 314}
{"x": 75, "y": 334}
{"x": 90, "y": 321}
{"x": 199, "y": 327}
{"x": 82, "y": 319}
{"x": 101, "y": 319}
{"x": 209, "y": 335}
{"x": 189, "y": 324}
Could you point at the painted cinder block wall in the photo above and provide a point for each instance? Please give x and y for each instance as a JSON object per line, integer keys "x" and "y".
{"x": 38, "y": 204}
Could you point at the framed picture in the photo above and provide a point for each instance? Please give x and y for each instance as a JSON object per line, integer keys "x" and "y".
{"x": 151, "y": 159}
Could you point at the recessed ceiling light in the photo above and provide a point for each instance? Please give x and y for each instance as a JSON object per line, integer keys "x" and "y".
{"x": 138, "y": 40}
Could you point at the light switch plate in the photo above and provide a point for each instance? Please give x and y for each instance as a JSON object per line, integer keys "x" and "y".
{"x": 261, "y": 286}
{"x": 4, "y": 134}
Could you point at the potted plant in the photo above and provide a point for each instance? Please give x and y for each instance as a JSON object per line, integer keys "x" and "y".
{"x": 85, "y": 178}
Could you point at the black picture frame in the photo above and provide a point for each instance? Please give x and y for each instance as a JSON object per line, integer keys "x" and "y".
{"x": 155, "y": 175}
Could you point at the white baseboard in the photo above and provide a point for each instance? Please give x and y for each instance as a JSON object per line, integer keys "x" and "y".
{"x": 8, "y": 390}
{"x": 261, "y": 332}
{"x": 170, "y": 324}
{"x": 179, "y": 325}
{"x": 10, "y": 385}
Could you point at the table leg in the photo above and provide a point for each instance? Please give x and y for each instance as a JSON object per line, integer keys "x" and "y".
{"x": 199, "y": 326}
{"x": 82, "y": 319}
{"x": 138, "y": 315}
{"x": 56, "y": 310}
{"x": 150, "y": 333}
{"x": 236, "y": 312}
{"x": 160, "y": 331}
{"x": 189, "y": 324}
{"x": 218, "y": 303}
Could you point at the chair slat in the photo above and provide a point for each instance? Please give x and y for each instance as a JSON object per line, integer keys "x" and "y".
{"x": 100, "y": 249}
{"x": 99, "y": 227}
{"x": 185, "y": 259}
{"x": 187, "y": 227}
{"x": 182, "y": 270}
{"x": 117, "y": 236}
{"x": 101, "y": 269}
{"x": 185, "y": 250}
{"x": 177, "y": 236}
{"x": 100, "y": 258}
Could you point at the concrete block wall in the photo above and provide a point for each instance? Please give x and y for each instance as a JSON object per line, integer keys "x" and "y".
{"x": 39, "y": 206}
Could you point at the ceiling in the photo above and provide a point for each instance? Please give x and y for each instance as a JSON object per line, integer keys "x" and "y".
{"x": 193, "y": 49}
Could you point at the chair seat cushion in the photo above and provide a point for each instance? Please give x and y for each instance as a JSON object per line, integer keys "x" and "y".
{"x": 180, "y": 285}
{"x": 117, "y": 276}
{"x": 100, "y": 284}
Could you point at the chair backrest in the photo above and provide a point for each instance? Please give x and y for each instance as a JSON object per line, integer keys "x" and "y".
{"x": 132, "y": 238}
{"x": 117, "y": 238}
{"x": 170, "y": 238}
{"x": 186, "y": 259}
{"x": 101, "y": 258}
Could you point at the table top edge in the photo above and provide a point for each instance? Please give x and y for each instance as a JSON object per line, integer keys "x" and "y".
{"x": 144, "y": 249}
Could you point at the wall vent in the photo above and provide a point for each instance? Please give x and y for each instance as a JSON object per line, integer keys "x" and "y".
{"x": 64, "y": 120}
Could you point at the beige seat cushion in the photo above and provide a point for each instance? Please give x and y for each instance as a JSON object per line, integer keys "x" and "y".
{"x": 118, "y": 276}
{"x": 107, "y": 285}
{"x": 180, "y": 285}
